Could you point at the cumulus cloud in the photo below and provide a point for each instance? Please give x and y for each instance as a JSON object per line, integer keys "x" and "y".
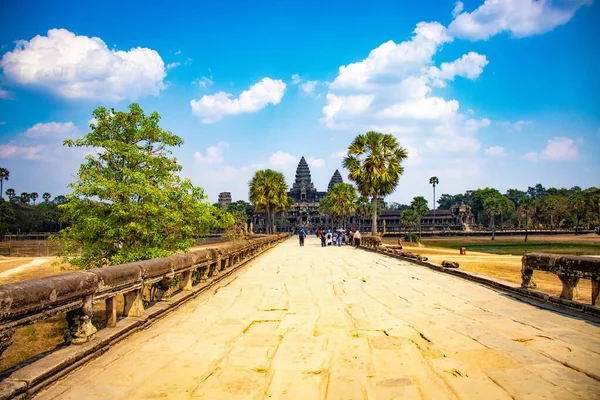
{"x": 469, "y": 66}
{"x": 309, "y": 87}
{"x": 495, "y": 151}
{"x": 173, "y": 65}
{"x": 458, "y": 8}
{"x": 560, "y": 148}
{"x": 281, "y": 159}
{"x": 80, "y": 67}
{"x": 296, "y": 80}
{"x": 515, "y": 126}
{"x": 340, "y": 154}
{"x": 22, "y": 152}
{"x": 212, "y": 108}
{"x": 54, "y": 130}
{"x": 316, "y": 162}
{"x": 214, "y": 154}
{"x": 519, "y": 17}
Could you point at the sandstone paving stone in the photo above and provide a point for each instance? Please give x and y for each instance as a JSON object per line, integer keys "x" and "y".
{"x": 316, "y": 323}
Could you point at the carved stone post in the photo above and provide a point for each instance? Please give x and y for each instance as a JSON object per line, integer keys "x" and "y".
{"x": 79, "y": 323}
{"x": 186, "y": 281}
{"x": 5, "y": 339}
{"x": 526, "y": 277}
{"x": 595, "y": 292}
{"x": 111, "y": 312}
{"x": 204, "y": 273}
{"x": 133, "y": 304}
{"x": 568, "y": 286}
{"x": 162, "y": 289}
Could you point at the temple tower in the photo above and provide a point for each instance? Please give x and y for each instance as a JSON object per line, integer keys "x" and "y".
{"x": 335, "y": 179}
{"x": 224, "y": 200}
{"x": 303, "y": 190}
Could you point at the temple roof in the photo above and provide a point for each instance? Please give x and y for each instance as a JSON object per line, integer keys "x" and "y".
{"x": 336, "y": 178}
{"x": 302, "y": 173}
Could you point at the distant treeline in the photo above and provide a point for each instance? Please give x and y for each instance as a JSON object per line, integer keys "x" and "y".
{"x": 23, "y": 214}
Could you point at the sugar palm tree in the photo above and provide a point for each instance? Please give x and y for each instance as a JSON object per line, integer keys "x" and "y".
{"x": 526, "y": 207}
{"x": 268, "y": 193}
{"x": 434, "y": 181}
{"x": 375, "y": 164}
{"x": 577, "y": 206}
{"x": 410, "y": 220}
{"x": 25, "y": 198}
{"x": 492, "y": 207}
{"x": 4, "y": 174}
{"x": 46, "y": 196}
{"x": 419, "y": 204}
{"x": 10, "y": 193}
{"x": 340, "y": 201}
{"x": 34, "y": 196}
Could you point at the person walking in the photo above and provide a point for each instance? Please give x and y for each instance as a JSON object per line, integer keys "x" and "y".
{"x": 323, "y": 240}
{"x": 340, "y": 236}
{"x": 357, "y": 236}
{"x": 301, "y": 236}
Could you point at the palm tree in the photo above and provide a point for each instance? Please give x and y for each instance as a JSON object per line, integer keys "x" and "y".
{"x": 493, "y": 206}
{"x": 419, "y": 204}
{"x": 341, "y": 201}
{"x": 34, "y": 196}
{"x": 434, "y": 181}
{"x": 268, "y": 193}
{"x": 25, "y": 198}
{"x": 46, "y": 196}
{"x": 4, "y": 174}
{"x": 10, "y": 193}
{"x": 410, "y": 219}
{"x": 375, "y": 164}
{"x": 526, "y": 206}
{"x": 577, "y": 206}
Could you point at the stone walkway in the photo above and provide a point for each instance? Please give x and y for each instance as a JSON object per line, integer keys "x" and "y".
{"x": 340, "y": 323}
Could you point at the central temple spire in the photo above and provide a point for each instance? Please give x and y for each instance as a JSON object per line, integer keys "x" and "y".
{"x": 302, "y": 173}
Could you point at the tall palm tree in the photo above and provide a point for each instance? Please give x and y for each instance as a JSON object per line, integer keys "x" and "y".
{"x": 25, "y": 198}
{"x": 434, "y": 181}
{"x": 375, "y": 164}
{"x": 268, "y": 193}
{"x": 419, "y": 204}
{"x": 526, "y": 207}
{"x": 340, "y": 201}
{"x": 10, "y": 193}
{"x": 34, "y": 196}
{"x": 46, "y": 196}
{"x": 492, "y": 207}
{"x": 4, "y": 174}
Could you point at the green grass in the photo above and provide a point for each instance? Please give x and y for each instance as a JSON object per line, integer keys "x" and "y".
{"x": 520, "y": 248}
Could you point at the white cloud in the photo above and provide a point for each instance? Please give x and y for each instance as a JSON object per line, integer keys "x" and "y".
{"x": 340, "y": 154}
{"x": 280, "y": 159}
{"x": 531, "y": 156}
{"x": 473, "y": 125}
{"x": 495, "y": 151}
{"x": 212, "y": 108}
{"x": 316, "y": 162}
{"x": 178, "y": 52}
{"x": 345, "y": 105}
{"x": 5, "y": 94}
{"x": 173, "y": 65}
{"x": 519, "y": 17}
{"x": 54, "y": 130}
{"x": 458, "y": 8}
{"x": 24, "y": 152}
{"x": 560, "y": 148}
{"x": 296, "y": 80}
{"x": 80, "y": 67}
{"x": 309, "y": 87}
{"x": 468, "y": 66}
{"x": 92, "y": 121}
{"x": 203, "y": 82}
{"x": 214, "y": 154}
{"x": 516, "y": 126}
{"x": 434, "y": 108}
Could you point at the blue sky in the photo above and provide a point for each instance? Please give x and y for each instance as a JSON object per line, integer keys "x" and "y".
{"x": 497, "y": 93}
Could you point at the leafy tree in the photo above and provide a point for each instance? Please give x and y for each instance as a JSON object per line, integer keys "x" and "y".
{"x": 527, "y": 207}
{"x": 238, "y": 206}
{"x": 59, "y": 200}
{"x": 268, "y": 193}
{"x": 419, "y": 205}
{"x": 410, "y": 220}
{"x": 375, "y": 164}
{"x": 397, "y": 206}
{"x": 340, "y": 201}
{"x": 46, "y": 196}
{"x": 34, "y": 196}
{"x": 446, "y": 201}
{"x": 492, "y": 207}
{"x": 128, "y": 203}
{"x": 507, "y": 208}
{"x": 7, "y": 216}
{"x": 478, "y": 199}
{"x": 516, "y": 195}
{"x": 4, "y": 175}
{"x": 536, "y": 192}
{"x": 434, "y": 181}
{"x": 577, "y": 206}
{"x": 10, "y": 193}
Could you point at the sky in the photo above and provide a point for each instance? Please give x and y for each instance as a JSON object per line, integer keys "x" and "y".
{"x": 495, "y": 93}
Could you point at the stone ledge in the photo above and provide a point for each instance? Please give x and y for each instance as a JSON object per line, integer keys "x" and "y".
{"x": 33, "y": 377}
{"x": 541, "y": 299}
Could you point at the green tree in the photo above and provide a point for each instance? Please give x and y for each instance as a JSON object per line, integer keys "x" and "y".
{"x": 7, "y": 216}
{"x": 492, "y": 207}
{"x": 10, "y": 193}
{"x": 375, "y": 164}
{"x": 46, "y": 196}
{"x": 128, "y": 203}
{"x": 577, "y": 206}
{"x": 340, "y": 202}
{"x": 410, "y": 220}
{"x": 419, "y": 205}
{"x": 34, "y": 196}
{"x": 25, "y": 198}
{"x": 515, "y": 195}
{"x": 526, "y": 208}
{"x": 433, "y": 181}
{"x": 4, "y": 175}
{"x": 268, "y": 193}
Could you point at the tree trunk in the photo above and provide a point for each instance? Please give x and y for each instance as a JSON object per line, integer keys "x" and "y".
{"x": 502, "y": 221}
{"x": 268, "y": 220}
{"x": 410, "y": 235}
{"x": 374, "y": 223}
{"x": 493, "y": 227}
{"x": 526, "y": 226}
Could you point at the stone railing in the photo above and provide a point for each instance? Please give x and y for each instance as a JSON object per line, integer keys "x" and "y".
{"x": 370, "y": 242}
{"x": 568, "y": 268}
{"x": 75, "y": 293}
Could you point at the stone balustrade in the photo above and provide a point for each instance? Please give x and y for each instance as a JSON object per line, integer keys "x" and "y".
{"x": 371, "y": 241}
{"x": 570, "y": 269}
{"x": 76, "y": 293}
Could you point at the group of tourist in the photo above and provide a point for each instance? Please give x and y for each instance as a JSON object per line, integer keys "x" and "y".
{"x": 329, "y": 237}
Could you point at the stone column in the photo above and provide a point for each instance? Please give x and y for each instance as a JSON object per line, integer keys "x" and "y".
{"x": 569, "y": 283}
{"x": 186, "y": 281}
{"x": 111, "y": 312}
{"x": 79, "y": 323}
{"x": 133, "y": 304}
{"x": 595, "y": 292}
